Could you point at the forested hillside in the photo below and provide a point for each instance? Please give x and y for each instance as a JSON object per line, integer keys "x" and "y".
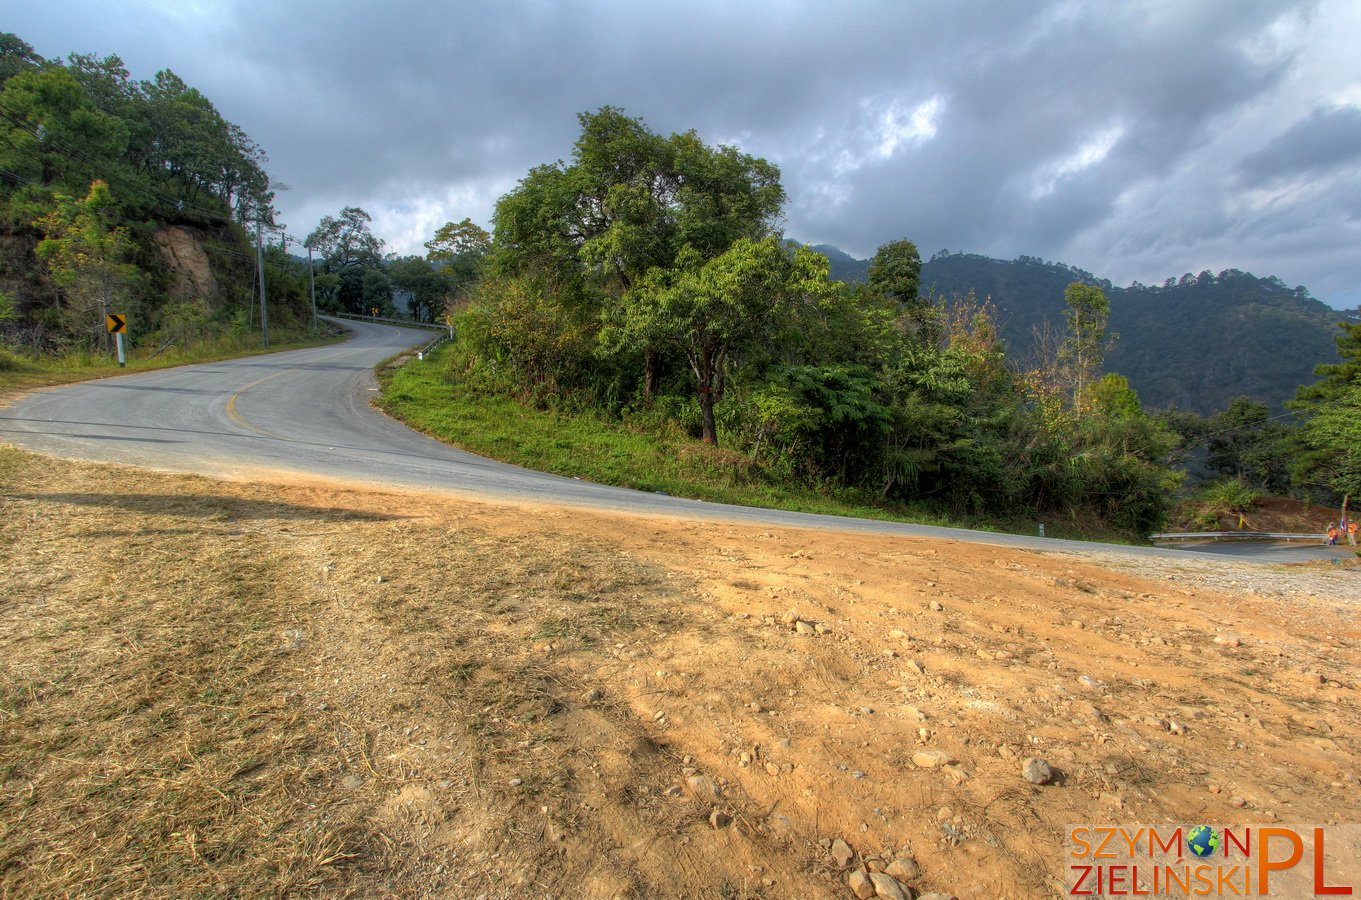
{"x": 125, "y": 196}
{"x": 1195, "y": 342}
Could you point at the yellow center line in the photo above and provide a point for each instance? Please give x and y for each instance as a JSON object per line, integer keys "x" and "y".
{"x": 235, "y": 415}
{"x": 241, "y": 420}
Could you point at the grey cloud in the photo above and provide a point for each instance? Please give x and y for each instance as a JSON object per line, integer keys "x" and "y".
{"x": 403, "y": 105}
{"x": 1327, "y": 139}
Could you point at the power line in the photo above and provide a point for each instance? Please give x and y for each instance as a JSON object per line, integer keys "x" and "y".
{"x": 6, "y": 173}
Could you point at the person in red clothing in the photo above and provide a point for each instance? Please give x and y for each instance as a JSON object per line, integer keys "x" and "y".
{"x": 1351, "y": 532}
{"x": 1333, "y": 533}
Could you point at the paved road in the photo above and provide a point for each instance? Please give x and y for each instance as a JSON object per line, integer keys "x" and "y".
{"x": 1268, "y": 551}
{"x": 308, "y": 411}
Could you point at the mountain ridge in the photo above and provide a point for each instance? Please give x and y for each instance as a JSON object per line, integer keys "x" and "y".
{"x": 1194, "y": 342}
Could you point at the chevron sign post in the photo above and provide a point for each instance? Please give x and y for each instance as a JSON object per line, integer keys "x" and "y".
{"x": 117, "y": 325}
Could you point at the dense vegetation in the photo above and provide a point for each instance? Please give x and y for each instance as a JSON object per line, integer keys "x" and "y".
{"x": 139, "y": 198}
{"x": 1221, "y": 356}
{"x": 130, "y": 197}
{"x": 645, "y": 279}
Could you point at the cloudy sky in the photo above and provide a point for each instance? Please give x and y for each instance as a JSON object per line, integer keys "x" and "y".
{"x": 1138, "y": 140}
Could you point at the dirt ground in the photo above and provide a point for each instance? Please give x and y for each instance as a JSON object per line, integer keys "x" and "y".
{"x": 215, "y": 689}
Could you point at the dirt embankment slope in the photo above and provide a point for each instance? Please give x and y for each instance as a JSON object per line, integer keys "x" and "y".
{"x": 223, "y": 688}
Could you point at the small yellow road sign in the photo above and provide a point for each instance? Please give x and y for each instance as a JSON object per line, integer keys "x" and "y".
{"x": 116, "y": 323}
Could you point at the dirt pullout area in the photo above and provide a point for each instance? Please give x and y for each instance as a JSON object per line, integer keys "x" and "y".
{"x": 212, "y": 688}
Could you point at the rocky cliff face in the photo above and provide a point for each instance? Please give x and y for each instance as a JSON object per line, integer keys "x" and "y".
{"x": 191, "y": 273}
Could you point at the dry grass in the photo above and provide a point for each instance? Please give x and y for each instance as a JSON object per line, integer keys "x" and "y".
{"x": 207, "y": 695}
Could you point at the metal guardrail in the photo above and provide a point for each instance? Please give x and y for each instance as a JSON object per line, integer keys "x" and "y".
{"x": 390, "y": 320}
{"x": 431, "y": 345}
{"x": 1238, "y": 535}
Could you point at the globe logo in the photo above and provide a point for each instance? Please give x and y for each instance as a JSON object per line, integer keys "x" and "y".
{"x": 1202, "y": 841}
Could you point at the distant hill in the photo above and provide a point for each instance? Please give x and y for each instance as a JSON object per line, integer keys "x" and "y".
{"x": 1195, "y": 342}
{"x": 844, "y": 266}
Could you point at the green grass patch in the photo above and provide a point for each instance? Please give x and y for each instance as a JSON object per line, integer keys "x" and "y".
{"x": 595, "y": 448}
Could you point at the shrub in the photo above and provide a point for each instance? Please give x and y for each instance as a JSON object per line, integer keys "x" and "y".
{"x": 1230, "y": 496}
{"x": 10, "y": 363}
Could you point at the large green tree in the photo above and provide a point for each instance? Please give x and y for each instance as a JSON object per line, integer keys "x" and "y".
{"x": 459, "y": 245}
{"x": 713, "y": 311}
{"x": 458, "y": 252}
{"x": 1333, "y": 434}
{"x": 16, "y": 55}
{"x": 1246, "y": 442}
{"x": 352, "y": 262}
{"x": 628, "y": 203}
{"x": 1083, "y": 349}
{"x": 426, "y": 289}
{"x": 54, "y": 140}
{"x": 188, "y": 144}
{"x": 345, "y": 240}
{"x": 895, "y": 272}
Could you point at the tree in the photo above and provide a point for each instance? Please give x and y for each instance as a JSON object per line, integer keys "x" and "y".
{"x": 48, "y": 113}
{"x": 458, "y": 253}
{"x": 84, "y": 250}
{"x": 1333, "y": 433}
{"x": 1334, "y": 378}
{"x": 715, "y": 310}
{"x": 107, "y": 82}
{"x": 16, "y": 55}
{"x": 459, "y": 244}
{"x": 182, "y": 141}
{"x": 1111, "y": 397}
{"x": 426, "y": 289}
{"x": 376, "y": 292}
{"x": 895, "y": 272}
{"x": 1326, "y": 459}
{"x": 629, "y": 203}
{"x": 1085, "y": 345}
{"x": 945, "y": 381}
{"x": 1243, "y": 441}
{"x": 345, "y": 240}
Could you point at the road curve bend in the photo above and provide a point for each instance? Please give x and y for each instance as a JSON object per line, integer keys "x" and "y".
{"x": 309, "y": 412}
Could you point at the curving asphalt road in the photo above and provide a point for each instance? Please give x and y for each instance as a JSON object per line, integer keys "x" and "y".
{"x": 308, "y": 411}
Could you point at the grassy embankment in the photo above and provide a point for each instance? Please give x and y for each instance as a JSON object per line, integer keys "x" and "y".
{"x": 599, "y": 449}
{"x": 19, "y": 372}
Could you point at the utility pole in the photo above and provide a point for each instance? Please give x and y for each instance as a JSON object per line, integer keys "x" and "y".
{"x": 312, "y": 286}
{"x": 260, "y": 261}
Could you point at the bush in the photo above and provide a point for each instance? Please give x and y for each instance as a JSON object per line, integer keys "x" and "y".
{"x": 1208, "y": 508}
{"x": 513, "y": 337}
{"x": 11, "y": 363}
{"x": 1231, "y": 496}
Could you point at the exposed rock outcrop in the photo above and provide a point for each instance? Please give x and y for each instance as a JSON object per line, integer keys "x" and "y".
{"x": 190, "y": 270}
